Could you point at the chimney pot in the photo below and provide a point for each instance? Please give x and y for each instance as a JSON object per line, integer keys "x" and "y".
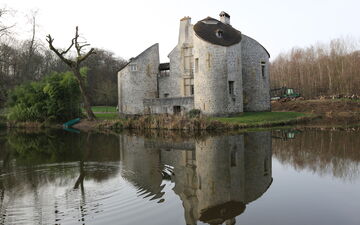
{"x": 225, "y": 18}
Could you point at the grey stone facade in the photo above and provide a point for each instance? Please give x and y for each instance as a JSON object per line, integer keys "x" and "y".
{"x": 138, "y": 80}
{"x": 256, "y": 86}
{"x": 167, "y": 105}
{"x": 214, "y": 68}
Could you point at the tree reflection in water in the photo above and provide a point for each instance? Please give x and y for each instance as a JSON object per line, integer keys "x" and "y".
{"x": 37, "y": 165}
{"x": 331, "y": 152}
{"x": 51, "y": 177}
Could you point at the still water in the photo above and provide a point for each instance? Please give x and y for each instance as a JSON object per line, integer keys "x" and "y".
{"x": 269, "y": 177}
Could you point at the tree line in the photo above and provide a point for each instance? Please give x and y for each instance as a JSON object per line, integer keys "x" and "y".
{"x": 23, "y": 61}
{"x": 319, "y": 70}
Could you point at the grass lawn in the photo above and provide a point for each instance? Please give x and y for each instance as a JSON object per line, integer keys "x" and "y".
{"x": 257, "y": 118}
{"x": 103, "y": 108}
{"x": 107, "y": 116}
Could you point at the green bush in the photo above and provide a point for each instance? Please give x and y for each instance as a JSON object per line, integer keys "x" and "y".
{"x": 194, "y": 113}
{"x": 55, "y": 98}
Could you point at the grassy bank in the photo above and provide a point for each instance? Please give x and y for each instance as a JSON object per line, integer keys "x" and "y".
{"x": 107, "y": 116}
{"x": 262, "y": 118}
{"x": 173, "y": 122}
{"x": 105, "y": 112}
{"x": 111, "y": 120}
{"x": 103, "y": 109}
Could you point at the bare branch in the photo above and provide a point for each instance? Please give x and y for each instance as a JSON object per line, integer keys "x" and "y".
{"x": 82, "y": 58}
{"x": 77, "y": 46}
{"x": 4, "y": 29}
{"x": 84, "y": 45}
{"x": 50, "y": 40}
{"x": 68, "y": 49}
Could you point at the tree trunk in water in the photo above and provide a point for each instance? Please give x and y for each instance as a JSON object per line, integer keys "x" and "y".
{"x": 87, "y": 106}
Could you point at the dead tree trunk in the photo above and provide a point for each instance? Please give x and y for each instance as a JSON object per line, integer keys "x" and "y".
{"x": 74, "y": 65}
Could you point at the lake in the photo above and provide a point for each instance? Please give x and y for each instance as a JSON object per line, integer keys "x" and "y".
{"x": 273, "y": 177}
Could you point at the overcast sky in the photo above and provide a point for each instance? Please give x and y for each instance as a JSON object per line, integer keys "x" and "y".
{"x": 128, "y": 27}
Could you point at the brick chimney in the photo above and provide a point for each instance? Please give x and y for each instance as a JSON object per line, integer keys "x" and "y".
{"x": 225, "y": 18}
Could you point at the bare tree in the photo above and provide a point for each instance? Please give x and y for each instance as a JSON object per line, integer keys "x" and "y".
{"x": 319, "y": 70}
{"x": 4, "y": 29}
{"x": 74, "y": 65}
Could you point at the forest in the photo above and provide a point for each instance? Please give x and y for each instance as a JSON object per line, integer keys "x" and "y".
{"x": 24, "y": 61}
{"x": 320, "y": 70}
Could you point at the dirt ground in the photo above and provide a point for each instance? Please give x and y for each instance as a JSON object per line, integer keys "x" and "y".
{"x": 332, "y": 111}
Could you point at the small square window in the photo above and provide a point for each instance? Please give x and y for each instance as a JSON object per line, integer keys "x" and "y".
{"x": 133, "y": 67}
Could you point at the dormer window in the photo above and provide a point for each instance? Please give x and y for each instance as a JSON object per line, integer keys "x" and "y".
{"x": 133, "y": 67}
{"x": 219, "y": 33}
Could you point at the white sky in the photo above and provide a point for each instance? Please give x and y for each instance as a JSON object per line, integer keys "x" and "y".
{"x": 128, "y": 27}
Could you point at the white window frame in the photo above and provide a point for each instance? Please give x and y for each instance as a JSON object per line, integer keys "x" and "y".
{"x": 133, "y": 67}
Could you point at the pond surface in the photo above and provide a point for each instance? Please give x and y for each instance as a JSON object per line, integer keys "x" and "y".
{"x": 269, "y": 177}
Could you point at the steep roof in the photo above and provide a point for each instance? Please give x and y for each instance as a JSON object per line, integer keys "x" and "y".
{"x": 258, "y": 44}
{"x": 134, "y": 58}
{"x": 216, "y": 32}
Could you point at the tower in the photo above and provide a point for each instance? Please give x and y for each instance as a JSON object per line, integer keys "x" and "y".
{"x": 217, "y": 67}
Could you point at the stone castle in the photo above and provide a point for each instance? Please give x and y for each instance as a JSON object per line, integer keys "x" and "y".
{"x": 214, "y": 68}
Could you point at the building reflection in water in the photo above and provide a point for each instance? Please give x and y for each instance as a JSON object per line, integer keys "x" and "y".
{"x": 215, "y": 177}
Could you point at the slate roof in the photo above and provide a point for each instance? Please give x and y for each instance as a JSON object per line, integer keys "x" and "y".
{"x": 216, "y": 32}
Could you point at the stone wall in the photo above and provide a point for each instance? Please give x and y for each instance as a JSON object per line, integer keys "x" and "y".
{"x": 173, "y": 85}
{"x": 166, "y": 105}
{"x": 139, "y": 165}
{"x": 234, "y": 73}
{"x": 256, "y": 86}
{"x": 217, "y": 65}
{"x": 134, "y": 86}
{"x": 257, "y": 163}
{"x": 167, "y": 145}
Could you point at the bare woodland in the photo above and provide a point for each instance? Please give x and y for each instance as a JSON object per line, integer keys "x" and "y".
{"x": 31, "y": 59}
{"x": 321, "y": 70}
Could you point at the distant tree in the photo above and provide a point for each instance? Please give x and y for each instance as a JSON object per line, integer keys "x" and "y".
{"x": 74, "y": 64}
{"x": 102, "y": 77}
{"x": 4, "y": 29}
{"x": 318, "y": 70}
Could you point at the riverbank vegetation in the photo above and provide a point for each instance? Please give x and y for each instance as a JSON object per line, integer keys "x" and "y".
{"x": 177, "y": 122}
{"x": 55, "y": 98}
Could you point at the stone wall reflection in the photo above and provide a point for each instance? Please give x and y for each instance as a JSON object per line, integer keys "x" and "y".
{"x": 215, "y": 176}
{"x": 141, "y": 166}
